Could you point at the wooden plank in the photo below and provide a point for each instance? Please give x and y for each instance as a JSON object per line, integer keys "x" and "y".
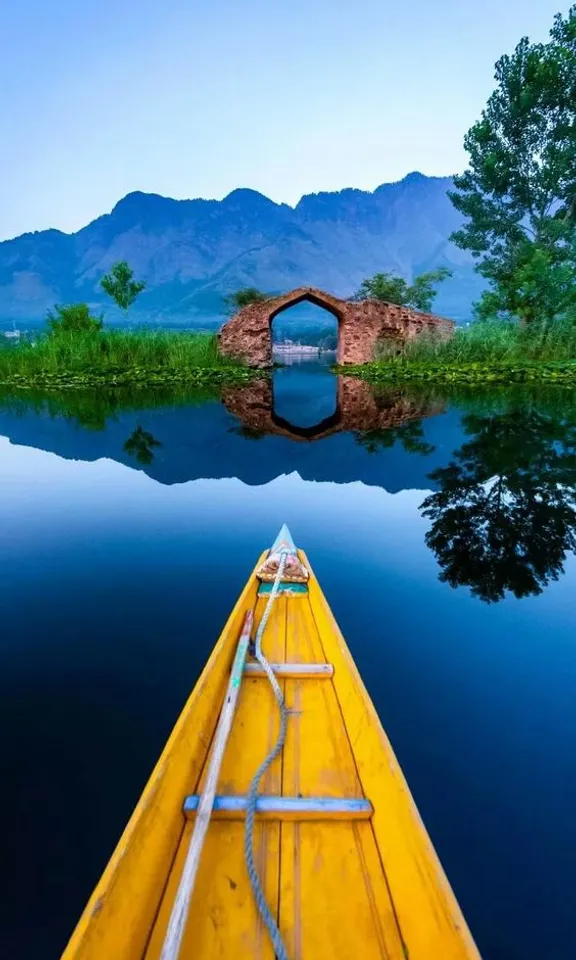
{"x": 430, "y": 919}
{"x": 120, "y": 913}
{"x": 179, "y": 914}
{"x": 334, "y": 900}
{"x": 292, "y": 671}
{"x": 318, "y": 760}
{"x": 224, "y": 921}
{"x": 285, "y": 808}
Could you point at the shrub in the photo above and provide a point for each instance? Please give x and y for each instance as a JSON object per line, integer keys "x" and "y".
{"x": 74, "y": 318}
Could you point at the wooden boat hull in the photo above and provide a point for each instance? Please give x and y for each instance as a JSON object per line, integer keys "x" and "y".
{"x": 340, "y": 884}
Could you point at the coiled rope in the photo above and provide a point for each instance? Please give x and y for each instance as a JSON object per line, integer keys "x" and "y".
{"x": 264, "y": 909}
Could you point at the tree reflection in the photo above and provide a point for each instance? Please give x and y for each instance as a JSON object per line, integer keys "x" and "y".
{"x": 505, "y": 514}
{"x": 410, "y": 435}
{"x": 140, "y": 444}
{"x": 249, "y": 433}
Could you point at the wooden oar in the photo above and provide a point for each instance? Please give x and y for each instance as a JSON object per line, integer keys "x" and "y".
{"x": 177, "y": 922}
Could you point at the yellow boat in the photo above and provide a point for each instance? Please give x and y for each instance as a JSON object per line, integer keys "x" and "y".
{"x": 322, "y": 855}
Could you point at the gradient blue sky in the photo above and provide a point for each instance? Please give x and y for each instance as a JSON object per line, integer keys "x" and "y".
{"x": 188, "y": 99}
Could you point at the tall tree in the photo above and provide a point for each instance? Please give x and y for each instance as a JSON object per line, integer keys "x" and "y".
{"x": 519, "y": 193}
{"x": 121, "y": 286}
{"x": 393, "y": 289}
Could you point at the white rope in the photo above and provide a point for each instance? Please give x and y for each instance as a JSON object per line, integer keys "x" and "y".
{"x": 259, "y": 896}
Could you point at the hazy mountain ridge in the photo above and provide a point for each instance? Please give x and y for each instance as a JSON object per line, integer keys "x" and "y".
{"x": 191, "y": 252}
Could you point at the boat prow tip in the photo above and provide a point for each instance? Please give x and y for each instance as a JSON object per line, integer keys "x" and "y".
{"x": 294, "y": 569}
{"x": 284, "y": 537}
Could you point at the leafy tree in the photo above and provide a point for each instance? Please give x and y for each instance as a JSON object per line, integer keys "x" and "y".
{"x": 244, "y": 297}
{"x": 519, "y": 193}
{"x": 392, "y": 289}
{"x": 504, "y": 516}
{"x": 140, "y": 444}
{"x": 121, "y": 286}
{"x": 74, "y": 318}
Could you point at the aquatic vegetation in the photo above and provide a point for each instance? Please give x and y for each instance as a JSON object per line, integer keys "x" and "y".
{"x": 76, "y": 359}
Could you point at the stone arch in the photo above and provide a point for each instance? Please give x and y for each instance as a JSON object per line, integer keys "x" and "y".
{"x": 247, "y": 335}
{"x": 307, "y": 294}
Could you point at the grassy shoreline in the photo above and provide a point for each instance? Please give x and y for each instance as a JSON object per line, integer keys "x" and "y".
{"x": 492, "y": 351}
{"x": 115, "y": 358}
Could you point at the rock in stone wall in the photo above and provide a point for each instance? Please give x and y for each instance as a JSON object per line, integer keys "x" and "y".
{"x": 360, "y": 326}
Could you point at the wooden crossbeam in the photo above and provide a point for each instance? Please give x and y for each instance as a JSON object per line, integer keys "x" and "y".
{"x": 285, "y": 808}
{"x": 292, "y": 671}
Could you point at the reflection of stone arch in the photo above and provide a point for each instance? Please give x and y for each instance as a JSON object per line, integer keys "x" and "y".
{"x": 360, "y": 326}
{"x": 358, "y": 409}
{"x": 324, "y": 428}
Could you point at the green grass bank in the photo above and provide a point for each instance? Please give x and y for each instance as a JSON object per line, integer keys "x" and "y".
{"x": 485, "y": 352}
{"x": 115, "y": 358}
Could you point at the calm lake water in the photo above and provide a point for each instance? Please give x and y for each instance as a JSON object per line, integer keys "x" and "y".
{"x": 441, "y": 527}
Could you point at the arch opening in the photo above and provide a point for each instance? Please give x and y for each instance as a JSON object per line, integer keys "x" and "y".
{"x": 304, "y": 331}
{"x": 304, "y": 339}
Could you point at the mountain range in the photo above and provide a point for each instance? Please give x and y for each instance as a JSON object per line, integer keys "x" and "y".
{"x": 191, "y": 253}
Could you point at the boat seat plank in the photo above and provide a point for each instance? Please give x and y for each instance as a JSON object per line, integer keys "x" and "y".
{"x": 285, "y": 808}
{"x": 291, "y": 671}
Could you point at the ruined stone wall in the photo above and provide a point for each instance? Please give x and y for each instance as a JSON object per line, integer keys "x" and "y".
{"x": 361, "y": 326}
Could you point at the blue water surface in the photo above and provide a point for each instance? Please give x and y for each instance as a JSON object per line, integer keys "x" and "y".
{"x": 122, "y": 552}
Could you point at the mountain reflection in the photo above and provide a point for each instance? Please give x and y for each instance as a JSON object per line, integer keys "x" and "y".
{"x": 497, "y": 468}
{"x": 504, "y": 515}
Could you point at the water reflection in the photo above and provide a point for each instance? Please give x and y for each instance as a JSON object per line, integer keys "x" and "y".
{"x": 504, "y": 515}
{"x": 305, "y": 396}
{"x": 128, "y": 521}
{"x": 140, "y": 445}
{"x": 497, "y": 468}
{"x": 376, "y": 419}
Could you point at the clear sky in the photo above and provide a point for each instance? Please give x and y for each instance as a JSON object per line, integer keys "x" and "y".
{"x": 192, "y": 98}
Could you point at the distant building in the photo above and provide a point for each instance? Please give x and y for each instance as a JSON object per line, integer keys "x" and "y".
{"x": 12, "y": 334}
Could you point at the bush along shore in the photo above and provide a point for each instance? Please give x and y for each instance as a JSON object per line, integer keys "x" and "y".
{"x": 96, "y": 357}
{"x": 496, "y": 351}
